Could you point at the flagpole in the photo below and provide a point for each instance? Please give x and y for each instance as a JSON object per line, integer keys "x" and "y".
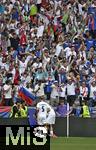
{"x": 67, "y": 120}
{"x": 16, "y": 59}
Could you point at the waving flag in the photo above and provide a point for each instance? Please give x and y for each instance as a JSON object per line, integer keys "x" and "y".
{"x": 27, "y": 96}
{"x": 5, "y": 111}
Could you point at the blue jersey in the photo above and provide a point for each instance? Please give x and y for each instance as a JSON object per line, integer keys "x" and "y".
{"x": 89, "y": 43}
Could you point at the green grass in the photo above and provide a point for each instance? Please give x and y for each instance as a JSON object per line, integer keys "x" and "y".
{"x": 73, "y": 143}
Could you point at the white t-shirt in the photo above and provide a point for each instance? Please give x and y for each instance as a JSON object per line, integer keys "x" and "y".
{"x": 54, "y": 92}
{"x": 93, "y": 5}
{"x": 45, "y": 61}
{"x": 23, "y": 65}
{"x": 10, "y": 7}
{"x": 39, "y": 89}
{"x": 51, "y": 112}
{"x": 59, "y": 48}
{"x": 40, "y": 31}
{"x": 39, "y": 1}
{"x": 62, "y": 93}
{"x": 7, "y": 91}
{"x": 93, "y": 69}
{"x": 37, "y": 65}
{"x": 0, "y": 60}
{"x": 92, "y": 90}
{"x": 80, "y": 9}
{"x": 67, "y": 50}
{"x": 71, "y": 89}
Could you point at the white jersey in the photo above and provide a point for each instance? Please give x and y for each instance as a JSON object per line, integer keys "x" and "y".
{"x": 43, "y": 108}
{"x": 51, "y": 112}
{"x": 51, "y": 116}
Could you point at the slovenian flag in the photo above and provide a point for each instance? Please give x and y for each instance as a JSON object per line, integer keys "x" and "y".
{"x": 26, "y": 95}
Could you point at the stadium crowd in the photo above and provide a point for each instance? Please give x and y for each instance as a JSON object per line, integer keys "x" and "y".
{"x": 48, "y": 47}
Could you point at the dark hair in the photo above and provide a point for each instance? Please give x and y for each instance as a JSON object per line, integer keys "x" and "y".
{"x": 7, "y": 81}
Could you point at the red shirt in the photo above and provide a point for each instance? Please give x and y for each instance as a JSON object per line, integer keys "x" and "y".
{"x": 23, "y": 39}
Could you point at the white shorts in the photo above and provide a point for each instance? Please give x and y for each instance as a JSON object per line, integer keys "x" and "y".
{"x": 41, "y": 120}
{"x": 51, "y": 119}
